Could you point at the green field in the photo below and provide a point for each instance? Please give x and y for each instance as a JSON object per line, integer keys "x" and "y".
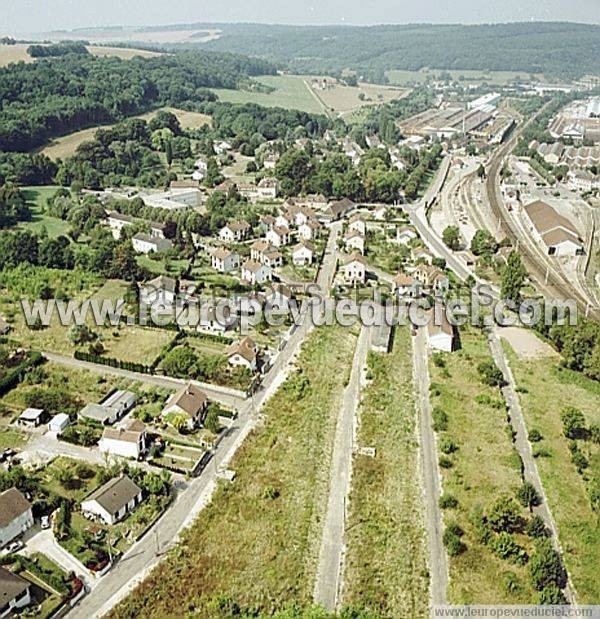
{"x": 257, "y": 542}
{"x": 386, "y": 504}
{"x": 546, "y": 389}
{"x": 484, "y": 467}
{"x": 37, "y": 196}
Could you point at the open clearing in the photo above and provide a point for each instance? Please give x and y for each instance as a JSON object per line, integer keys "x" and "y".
{"x": 257, "y": 542}
{"x": 296, "y": 92}
{"x": 37, "y": 197}
{"x": 67, "y": 145}
{"x": 484, "y": 467}
{"x": 526, "y": 343}
{"x": 386, "y": 504}
{"x": 546, "y": 389}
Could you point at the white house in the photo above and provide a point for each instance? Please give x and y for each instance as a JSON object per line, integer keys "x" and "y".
{"x": 225, "y": 260}
{"x": 405, "y": 234}
{"x": 304, "y": 215}
{"x": 440, "y": 336}
{"x": 190, "y": 402}
{"x": 309, "y": 230}
{"x": 284, "y": 220}
{"x": 256, "y": 273}
{"x": 113, "y": 501}
{"x": 303, "y": 254}
{"x": 405, "y": 286}
{"x": 117, "y": 221}
{"x": 358, "y": 224}
{"x": 354, "y": 240}
{"x": 268, "y": 188}
{"x": 278, "y": 236}
{"x": 215, "y": 321}
{"x": 235, "y": 231}
{"x": 146, "y": 243}
{"x": 244, "y": 354}
{"x": 127, "y": 442}
{"x": 14, "y": 593}
{"x": 58, "y": 423}
{"x": 354, "y": 271}
{"x": 16, "y": 516}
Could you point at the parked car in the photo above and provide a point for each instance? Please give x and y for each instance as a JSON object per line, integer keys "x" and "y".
{"x": 45, "y": 522}
{"x": 14, "y": 547}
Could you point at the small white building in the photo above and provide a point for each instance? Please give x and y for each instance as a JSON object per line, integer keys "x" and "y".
{"x": 225, "y": 260}
{"x": 235, "y": 231}
{"x": 127, "y": 442}
{"x": 147, "y": 243}
{"x": 405, "y": 286}
{"x": 15, "y": 593}
{"x": 405, "y": 234}
{"x": 268, "y": 188}
{"x": 354, "y": 271}
{"x": 16, "y": 516}
{"x": 358, "y": 224}
{"x": 303, "y": 254}
{"x": 279, "y": 236}
{"x": 355, "y": 241}
{"x": 256, "y": 273}
{"x": 113, "y": 501}
{"x": 58, "y": 423}
{"x": 440, "y": 336}
{"x": 243, "y": 354}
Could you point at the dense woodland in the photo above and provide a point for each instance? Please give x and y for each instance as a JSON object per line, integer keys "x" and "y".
{"x": 557, "y": 49}
{"x": 52, "y": 97}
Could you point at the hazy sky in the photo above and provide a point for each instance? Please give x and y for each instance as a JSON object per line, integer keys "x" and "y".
{"x": 43, "y": 15}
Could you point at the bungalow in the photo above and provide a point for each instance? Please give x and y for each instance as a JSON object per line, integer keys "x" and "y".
{"x": 309, "y": 230}
{"x": 235, "y": 231}
{"x": 405, "y": 286}
{"x": 146, "y": 243}
{"x": 256, "y": 273}
{"x": 127, "y": 442}
{"x": 303, "y": 254}
{"x": 278, "y": 236}
{"x": 268, "y": 188}
{"x": 113, "y": 501}
{"x": 354, "y": 271}
{"x": 16, "y": 516}
{"x": 405, "y": 234}
{"x": 358, "y": 224}
{"x": 117, "y": 221}
{"x": 161, "y": 289}
{"x": 225, "y": 260}
{"x": 440, "y": 336}
{"x": 243, "y": 354}
{"x": 14, "y": 593}
{"x": 354, "y": 240}
{"x": 32, "y": 417}
{"x": 111, "y": 409}
{"x": 189, "y": 402}
{"x": 214, "y": 321}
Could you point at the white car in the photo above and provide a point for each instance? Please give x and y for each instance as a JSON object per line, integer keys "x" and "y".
{"x": 45, "y": 522}
{"x": 14, "y": 547}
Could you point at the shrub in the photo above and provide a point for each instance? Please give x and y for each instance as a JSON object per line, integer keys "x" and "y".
{"x": 454, "y": 545}
{"x": 490, "y": 374}
{"x": 535, "y": 436}
{"x": 536, "y": 528}
{"x": 505, "y": 547}
{"x": 445, "y": 462}
{"x": 545, "y": 567}
{"x": 573, "y": 423}
{"x": 504, "y": 515}
{"x": 440, "y": 419}
{"x": 551, "y": 595}
{"x": 448, "y": 501}
{"x": 448, "y": 446}
{"x": 527, "y": 495}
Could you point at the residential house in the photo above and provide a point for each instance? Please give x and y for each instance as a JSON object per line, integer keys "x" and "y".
{"x": 268, "y": 188}
{"x": 117, "y": 221}
{"x": 127, "y": 442}
{"x": 310, "y": 230}
{"x": 337, "y": 210}
{"x": 16, "y": 516}
{"x": 313, "y": 200}
{"x": 421, "y": 254}
{"x": 285, "y": 219}
{"x": 303, "y": 253}
{"x": 225, "y": 260}
{"x": 262, "y": 251}
{"x": 266, "y": 222}
{"x": 354, "y": 271}
{"x": 161, "y": 289}
{"x": 354, "y": 240}
{"x": 215, "y": 320}
{"x": 146, "y": 243}
{"x": 256, "y": 273}
{"x": 583, "y": 180}
{"x": 244, "y": 354}
{"x": 279, "y": 236}
{"x": 113, "y": 501}
{"x": 15, "y": 593}
{"x": 270, "y": 161}
{"x": 303, "y": 215}
{"x": 404, "y": 286}
{"x": 440, "y": 336}
{"x": 405, "y": 234}
{"x": 235, "y": 231}
{"x": 158, "y": 230}
{"x": 32, "y": 417}
{"x": 431, "y": 278}
{"x": 190, "y": 402}
{"x": 358, "y": 224}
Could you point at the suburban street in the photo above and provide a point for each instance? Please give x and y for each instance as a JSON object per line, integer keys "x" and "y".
{"x": 438, "y": 561}
{"x": 329, "y": 571}
{"x": 147, "y": 552}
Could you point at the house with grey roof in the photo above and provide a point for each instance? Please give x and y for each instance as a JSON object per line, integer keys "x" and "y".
{"x": 113, "y": 501}
{"x": 14, "y": 593}
{"x": 16, "y": 516}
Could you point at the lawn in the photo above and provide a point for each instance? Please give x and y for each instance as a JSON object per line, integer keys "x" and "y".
{"x": 484, "y": 467}
{"x": 386, "y": 507}
{"x": 12, "y": 438}
{"x": 36, "y": 196}
{"x": 258, "y": 541}
{"x": 545, "y": 390}
{"x": 69, "y": 478}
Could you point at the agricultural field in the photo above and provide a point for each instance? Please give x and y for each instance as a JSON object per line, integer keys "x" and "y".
{"x": 65, "y": 146}
{"x": 295, "y": 92}
{"x": 546, "y": 389}
{"x": 386, "y": 507}
{"x": 480, "y": 466}
{"x": 271, "y": 514}
{"x": 401, "y": 77}
{"x": 121, "y": 52}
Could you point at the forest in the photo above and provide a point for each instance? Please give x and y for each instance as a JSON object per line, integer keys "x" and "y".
{"x": 556, "y": 49}
{"x": 59, "y": 95}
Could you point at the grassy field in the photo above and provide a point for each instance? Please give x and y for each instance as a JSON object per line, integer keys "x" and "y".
{"x": 483, "y": 468}
{"x": 402, "y": 77}
{"x": 546, "y": 389}
{"x": 257, "y": 542}
{"x": 66, "y": 146}
{"x": 295, "y": 92}
{"x": 37, "y": 196}
{"x": 11, "y": 438}
{"x": 386, "y": 508}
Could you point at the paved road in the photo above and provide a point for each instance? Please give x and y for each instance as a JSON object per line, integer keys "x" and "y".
{"x": 438, "y": 561}
{"x": 329, "y": 571}
{"x": 523, "y": 446}
{"x": 231, "y": 398}
{"x": 147, "y": 553}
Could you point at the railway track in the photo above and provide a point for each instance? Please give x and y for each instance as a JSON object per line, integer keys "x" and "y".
{"x": 548, "y": 280}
